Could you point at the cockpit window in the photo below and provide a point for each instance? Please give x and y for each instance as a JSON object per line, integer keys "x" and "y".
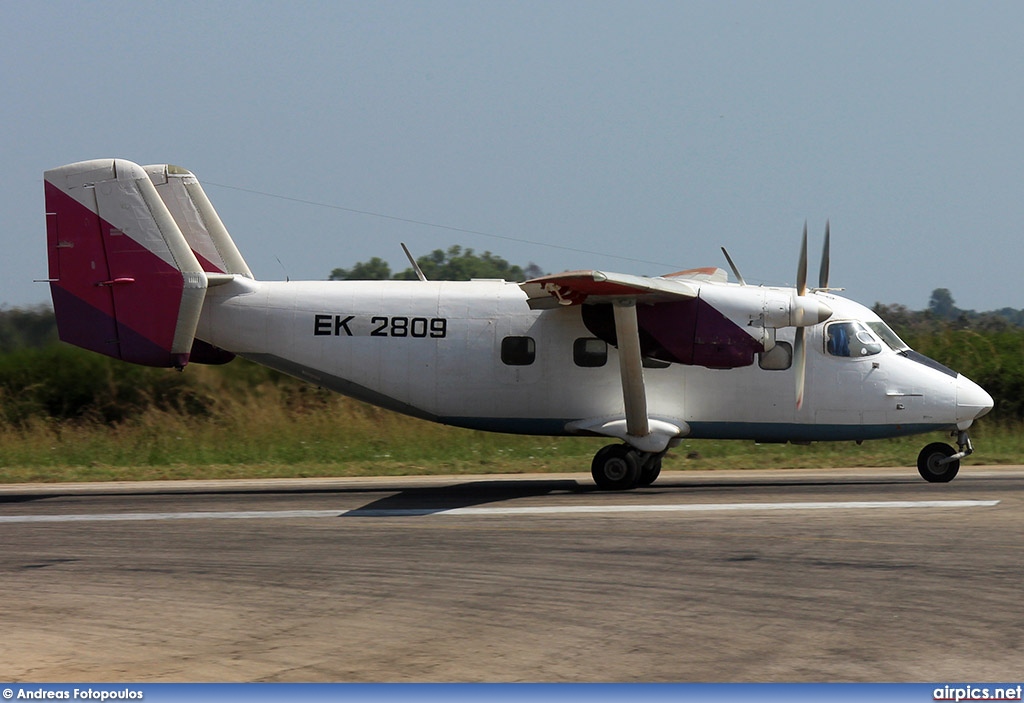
{"x": 851, "y": 339}
{"x": 888, "y": 336}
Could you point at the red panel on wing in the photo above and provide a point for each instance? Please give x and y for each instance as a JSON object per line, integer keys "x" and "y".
{"x": 706, "y": 271}
{"x": 574, "y": 287}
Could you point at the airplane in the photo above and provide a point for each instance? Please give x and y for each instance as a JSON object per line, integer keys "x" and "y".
{"x": 142, "y": 269}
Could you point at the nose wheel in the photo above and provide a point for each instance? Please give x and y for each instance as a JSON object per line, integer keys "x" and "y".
{"x": 939, "y": 462}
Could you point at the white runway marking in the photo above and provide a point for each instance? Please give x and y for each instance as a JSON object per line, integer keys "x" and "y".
{"x": 529, "y": 510}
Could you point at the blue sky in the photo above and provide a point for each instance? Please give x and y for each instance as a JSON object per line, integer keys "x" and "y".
{"x": 627, "y": 136}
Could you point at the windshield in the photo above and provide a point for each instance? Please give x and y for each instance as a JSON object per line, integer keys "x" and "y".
{"x": 850, "y": 339}
{"x": 886, "y": 334}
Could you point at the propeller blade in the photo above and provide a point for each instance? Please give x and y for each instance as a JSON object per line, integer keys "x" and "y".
{"x": 800, "y": 365}
{"x": 801, "y": 269}
{"x": 735, "y": 271}
{"x": 823, "y": 272}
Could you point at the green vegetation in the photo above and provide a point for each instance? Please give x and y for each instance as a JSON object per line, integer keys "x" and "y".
{"x": 456, "y": 264}
{"x": 71, "y": 415}
{"x": 26, "y": 328}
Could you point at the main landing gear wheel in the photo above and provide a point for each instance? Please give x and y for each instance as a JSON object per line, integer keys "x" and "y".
{"x": 930, "y": 466}
{"x": 616, "y": 467}
{"x": 650, "y": 471}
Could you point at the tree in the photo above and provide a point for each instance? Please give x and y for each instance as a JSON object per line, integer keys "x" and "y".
{"x": 22, "y": 328}
{"x": 942, "y": 306}
{"x": 455, "y": 264}
{"x": 376, "y": 269}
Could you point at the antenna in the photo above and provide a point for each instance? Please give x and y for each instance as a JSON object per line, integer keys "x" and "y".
{"x": 415, "y": 266}
{"x": 735, "y": 271}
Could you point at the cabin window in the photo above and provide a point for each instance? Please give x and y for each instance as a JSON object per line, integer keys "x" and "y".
{"x": 778, "y": 358}
{"x": 518, "y": 351}
{"x": 590, "y": 352}
{"x": 851, "y": 339}
{"x": 649, "y": 363}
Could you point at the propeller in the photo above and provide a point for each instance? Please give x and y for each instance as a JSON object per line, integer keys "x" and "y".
{"x": 823, "y": 271}
{"x": 804, "y": 310}
{"x": 799, "y": 346}
{"x": 807, "y": 311}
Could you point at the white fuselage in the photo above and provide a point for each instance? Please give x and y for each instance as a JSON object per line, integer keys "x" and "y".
{"x": 434, "y": 350}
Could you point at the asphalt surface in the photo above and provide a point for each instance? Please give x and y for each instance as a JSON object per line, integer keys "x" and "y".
{"x": 857, "y": 575}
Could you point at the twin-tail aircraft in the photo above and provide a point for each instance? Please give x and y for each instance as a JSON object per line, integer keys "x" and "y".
{"x": 142, "y": 269}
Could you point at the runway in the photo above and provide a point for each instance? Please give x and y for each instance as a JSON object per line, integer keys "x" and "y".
{"x": 831, "y": 575}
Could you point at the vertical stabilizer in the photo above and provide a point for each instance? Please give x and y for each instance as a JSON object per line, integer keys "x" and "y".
{"x": 124, "y": 281}
{"x": 198, "y": 221}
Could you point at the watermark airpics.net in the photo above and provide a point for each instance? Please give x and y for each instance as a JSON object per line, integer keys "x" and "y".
{"x": 968, "y": 692}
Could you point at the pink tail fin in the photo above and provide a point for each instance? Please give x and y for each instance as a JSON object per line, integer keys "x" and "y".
{"x": 124, "y": 281}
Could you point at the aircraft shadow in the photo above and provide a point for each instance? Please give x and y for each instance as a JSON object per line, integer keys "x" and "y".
{"x": 432, "y": 499}
{"x": 415, "y": 501}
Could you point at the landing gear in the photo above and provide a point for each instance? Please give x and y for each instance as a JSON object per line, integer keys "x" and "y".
{"x": 939, "y": 462}
{"x": 650, "y": 471}
{"x": 615, "y": 467}
{"x": 935, "y": 465}
{"x": 619, "y": 467}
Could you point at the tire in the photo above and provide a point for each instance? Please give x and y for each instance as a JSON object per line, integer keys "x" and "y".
{"x": 615, "y": 467}
{"x": 928, "y": 463}
{"x": 649, "y": 472}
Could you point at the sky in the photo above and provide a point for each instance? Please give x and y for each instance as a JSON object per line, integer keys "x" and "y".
{"x": 637, "y": 137}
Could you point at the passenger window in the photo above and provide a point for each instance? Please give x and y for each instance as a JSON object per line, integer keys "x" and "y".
{"x": 590, "y": 352}
{"x": 778, "y": 358}
{"x": 518, "y": 351}
{"x": 850, "y": 339}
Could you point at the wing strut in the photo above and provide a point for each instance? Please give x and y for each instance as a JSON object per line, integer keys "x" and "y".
{"x": 631, "y": 368}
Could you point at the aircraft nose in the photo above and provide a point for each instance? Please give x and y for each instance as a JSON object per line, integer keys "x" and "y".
{"x": 972, "y": 401}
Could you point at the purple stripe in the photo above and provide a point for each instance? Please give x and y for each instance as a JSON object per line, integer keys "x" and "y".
{"x": 690, "y": 332}
{"x": 84, "y": 326}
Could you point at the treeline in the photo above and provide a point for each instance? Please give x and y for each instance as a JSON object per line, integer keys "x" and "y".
{"x": 56, "y": 382}
{"x": 942, "y": 312}
{"x": 455, "y": 264}
{"x": 26, "y": 328}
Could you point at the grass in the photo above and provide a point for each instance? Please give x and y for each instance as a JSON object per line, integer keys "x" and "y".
{"x": 289, "y": 430}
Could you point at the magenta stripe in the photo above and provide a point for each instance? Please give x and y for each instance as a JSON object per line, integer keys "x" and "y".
{"x": 131, "y": 321}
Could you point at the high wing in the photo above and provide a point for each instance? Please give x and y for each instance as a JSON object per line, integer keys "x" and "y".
{"x": 623, "y": 292}
{"x": 575, "y": 287}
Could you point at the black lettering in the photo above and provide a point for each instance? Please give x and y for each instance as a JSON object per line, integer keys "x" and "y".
{"x": 380, "y": 331}
{"x": 342, "y": 324}
{"x": 382, "y": 326}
